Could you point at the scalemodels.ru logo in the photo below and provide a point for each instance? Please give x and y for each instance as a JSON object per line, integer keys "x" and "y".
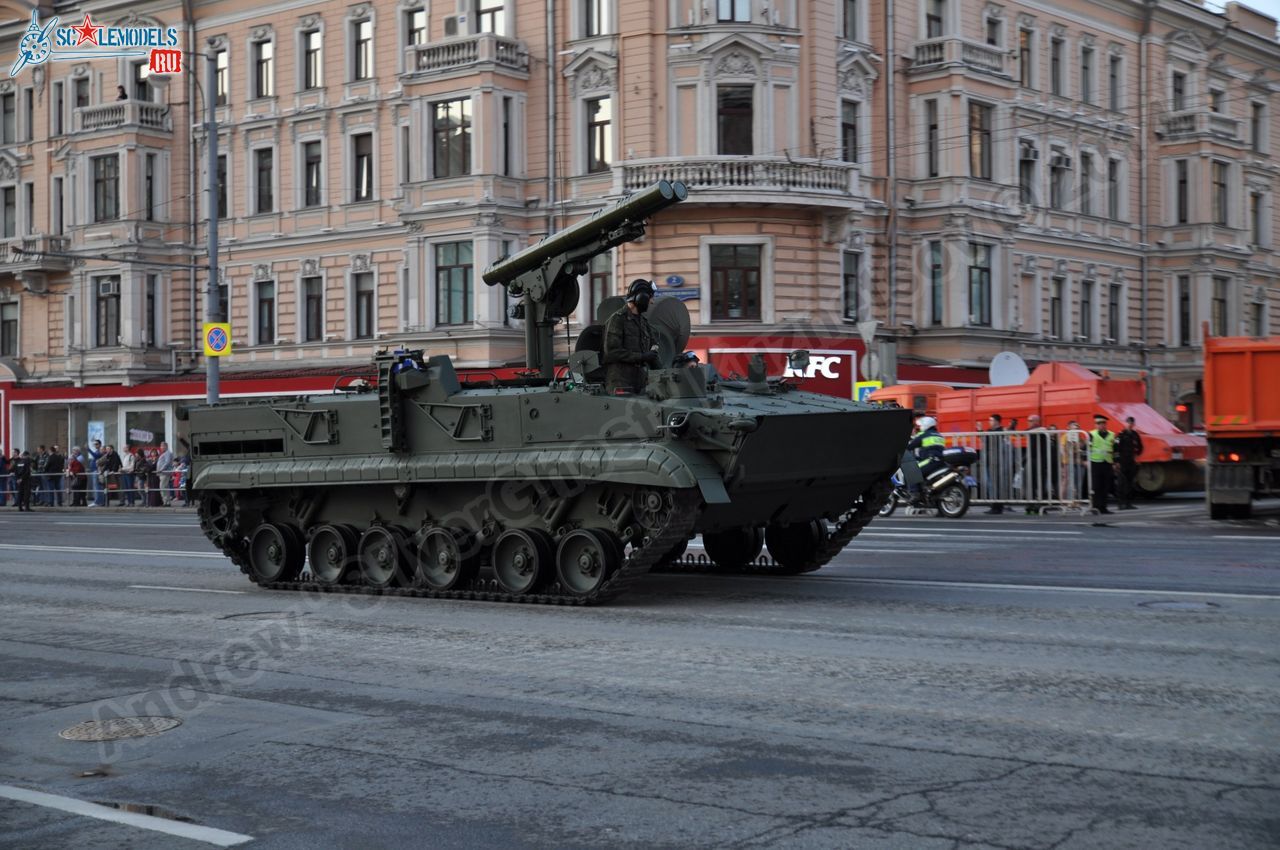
{"x": 90, "y": 41}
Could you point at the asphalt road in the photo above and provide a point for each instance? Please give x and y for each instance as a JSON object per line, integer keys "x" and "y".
{"x": 1010, "y": 682}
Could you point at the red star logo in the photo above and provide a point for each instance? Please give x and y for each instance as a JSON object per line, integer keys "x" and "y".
{"x": 88, "y": 31}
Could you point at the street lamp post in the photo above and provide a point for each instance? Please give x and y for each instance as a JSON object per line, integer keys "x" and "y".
{"x": 211, "y": 299}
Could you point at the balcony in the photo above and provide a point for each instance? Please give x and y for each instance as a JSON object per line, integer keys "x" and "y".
{"x": 777, "y": 178}
{"x": 28, "y": 253}
{"x": 484, "y": 51}
{"x": 958, "y": 52}
{"x": 1199, "y": 123}
{"x": 123, "y": 114}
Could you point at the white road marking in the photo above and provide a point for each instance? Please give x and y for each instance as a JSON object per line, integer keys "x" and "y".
{"x": 104, "y": 550}
{"x": 978, "y": 585}
{"x": 183, "y": 589}
{"x": 969, "y": 530}
{"x": 1275, "y": 537}
{"x": 853, "y": 548}
{"x": 129, "y": 523}
{"x": 193, "y": 832}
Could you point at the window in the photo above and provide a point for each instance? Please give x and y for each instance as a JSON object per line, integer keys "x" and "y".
{"x": 1255, "y": 219}
{"x": 594, "y": 21}
{"x": 1258, "y": 319}
{"x": 415, "y": 27}
{"x": 1218, "y": 307}
{"x": 849, "y": 130}
{"x": 28, "y": 114}
{"x": 361, "y": 50}
{"x": 106, "y": 187}
{"x": 9, "y": 204}
{"x": 980, "y": 140}
{"x": 1086, "y": 310}
{"x": 149, "y": 177}
{"x": 1028, "y": 156}
{"x": 1257, "y": 127}
{"x": 221, "y": 79}
{"x": 733, "y": 10}
{"x": 1220, "y": 194}
{"x": 406, "y": 155}
{"x": 264, "y": 173}
{"x": 453, "y": 283}
{"x": 1057, "y": 84}
{"x": 362, "y": 167}
{"x": 29, "y": 209}
{"x": 312, "y": 174}
{"x": 1178, "y": 85}
{"x": 1055, "y": 307}
{"x": 1113, "y": 189}
{"x": 1086, "y": 184}
{"x": 138, "y": 78}
{"x": 59, "y": 107}
{"x": 935, "y": 283}
{"x": 934, "y": 18}
{"x": 507, "y": 128}
{"x": 264, "y": 79}
{"x": 1217, "y": 99}
{"x": 366, "y": 305}
{"x": 599, "y": 132}
{"x": 265, "y": 313}
{"x": 312, "y": 68}
{"x": 489, "y": 16}
{"x": 1184, "y": 309}
{"x": 224, "y": 302}
{"x": 931, "y": 137}
{"x": 9, "y": 329}
{"x": 82, "y": 92}
{"x": 312, "y": 309}
{"x": 451, "y": 138}
{"x": 1182, "y": 188}
{"x": 979, "y": 284}
{"x": 150, "y": 321}
{"x": 56, "y": 201}
{"x": 993, "y": 32}
{"x": 1026, "y": 59}
{"x": 1113, "y": 312}
{"x": 735, "y": 282}
{"x": 1059, "y": 180}
{"x": 106, "y": 327}
{"x": 1115, "y": 79}
{"x": 734, "y": 114}
{"x": 599, "y": 282}
{"x": 222, "y": 186}
{"x": 849, "y": 280}
{"x": 9, "y": 118}
{"x": 1086, "y": 74}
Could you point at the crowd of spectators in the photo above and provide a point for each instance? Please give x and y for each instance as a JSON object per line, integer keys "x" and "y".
{"x": 94, "y": 476}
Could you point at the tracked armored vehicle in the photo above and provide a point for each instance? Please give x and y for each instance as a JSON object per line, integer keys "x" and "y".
{"x": 543, "y": 489}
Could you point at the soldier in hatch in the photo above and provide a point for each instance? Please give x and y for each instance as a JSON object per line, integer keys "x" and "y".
{"x": 629, "y": 344}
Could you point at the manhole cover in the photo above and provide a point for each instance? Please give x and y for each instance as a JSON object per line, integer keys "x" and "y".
{"x": 1164, "y": 605}
{"x": 119, "y": 727}
{"x": 264, "y": 615}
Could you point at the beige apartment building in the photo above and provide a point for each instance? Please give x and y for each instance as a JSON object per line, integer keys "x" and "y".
{"x": 1088, "y": 180}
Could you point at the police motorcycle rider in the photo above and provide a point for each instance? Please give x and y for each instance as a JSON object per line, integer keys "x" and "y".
{"x": 927, "y": 445}
{"x": 630, "y": 348}
{"x": 932, "y": 482}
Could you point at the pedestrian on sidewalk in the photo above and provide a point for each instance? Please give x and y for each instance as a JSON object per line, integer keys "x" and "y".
{"x": 40, "y": 484}
{"x": 76, "y": 477}
{"x": 127, "y": 460}
{"x": 998, "y": 465}
{"x": 1102, "y": 458}
{"x": 23, "y": 469}
{"x": 94, "y": 453}
{"x": 54, "y": 472}
{"x": 109, "y": 471}
{"x": 164, "y": 471}
{"x": 1128, "y": 448}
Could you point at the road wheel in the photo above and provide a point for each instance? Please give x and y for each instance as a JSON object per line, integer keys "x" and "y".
{"x": 522, "y": 559}
{"x": 735, "y": 548}
{"x": 890, "y": 505}
{"x": 444, "y": 559}
{"x": 584, "y": 561}
{"x": 795, "y": 545}
{"x": 275, "y": 553}
{"x": 331, "y": 553}
{"x": 381, "y": 554}
{"x": 953, "y": 501}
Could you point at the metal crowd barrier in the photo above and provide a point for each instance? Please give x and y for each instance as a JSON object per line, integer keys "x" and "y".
{"x": 59, "y": 489}
{"x": 1042, "y": 469}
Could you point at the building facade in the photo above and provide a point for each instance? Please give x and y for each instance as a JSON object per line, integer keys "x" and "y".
{"x": 1086, "y": 181}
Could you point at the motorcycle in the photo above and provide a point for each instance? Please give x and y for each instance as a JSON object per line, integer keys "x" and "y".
{"x": 942, "y": 486}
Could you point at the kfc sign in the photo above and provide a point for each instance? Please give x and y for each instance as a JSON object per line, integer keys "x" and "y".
{"x": 820, "y": 365}
{"x": 830, "y": 371}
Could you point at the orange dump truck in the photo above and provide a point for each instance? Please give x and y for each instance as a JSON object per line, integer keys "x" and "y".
{"x": 1242, "y": 417}
{"x": 1061, "y": 392}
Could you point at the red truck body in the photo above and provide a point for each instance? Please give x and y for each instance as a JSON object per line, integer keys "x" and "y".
{"x": 1242, "y": 418}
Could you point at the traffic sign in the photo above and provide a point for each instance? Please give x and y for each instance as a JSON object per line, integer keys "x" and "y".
{"x": 217, "y": 339}
{"x": 865, "y": 388}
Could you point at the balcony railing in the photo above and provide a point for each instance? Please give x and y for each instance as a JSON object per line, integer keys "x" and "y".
{"x": 758, "y": 174}
{"x": 959, "y": 51}
{"x": 124, "y": 113}
{"x": 1200, "y": 122}
{"x": 461, "y": 53}
{"x": 29, "y": 253}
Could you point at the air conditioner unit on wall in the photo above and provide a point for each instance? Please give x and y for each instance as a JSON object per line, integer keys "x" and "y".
{"x": 1029, "y": 153}
{"x": 453, "y": 24}
{"x": 1060, "y": 160}
{"x": 109, "y": 287}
